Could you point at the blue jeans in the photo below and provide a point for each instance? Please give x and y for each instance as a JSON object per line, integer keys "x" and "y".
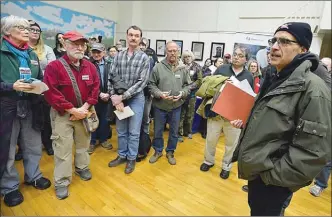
{"x": 103, "y": 129}
{"x": 129, "y": 129}
{"x": 162, "y": 117}
{"x": 323, "y": 177}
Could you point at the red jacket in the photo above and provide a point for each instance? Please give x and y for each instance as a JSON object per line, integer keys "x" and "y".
{"x": 256, "y": 85}
{"x": 61, "y": 94}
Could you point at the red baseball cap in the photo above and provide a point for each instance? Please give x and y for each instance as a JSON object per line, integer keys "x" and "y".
{"x": 227, "y": 56}
{"x": 74, "y": 36}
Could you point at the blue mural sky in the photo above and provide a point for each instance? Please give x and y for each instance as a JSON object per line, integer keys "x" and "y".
{"x": 58, "y": 19}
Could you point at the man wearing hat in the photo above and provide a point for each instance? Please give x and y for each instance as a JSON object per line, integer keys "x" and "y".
{"x": 98, "y": 52}
{"x": 286, "y": 141}
{"x": 67, "y": 115}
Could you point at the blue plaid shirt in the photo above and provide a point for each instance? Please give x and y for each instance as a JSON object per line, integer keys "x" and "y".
{"x": 134, "y": 71}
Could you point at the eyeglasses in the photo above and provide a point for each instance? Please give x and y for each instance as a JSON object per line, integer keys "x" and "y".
{"x": 23, "y": 28}
{"x": 34, "y": 30}
{"x": 238, "y": 55}
{"x": 172, "y": 51}
{"x": 280, "y": 41}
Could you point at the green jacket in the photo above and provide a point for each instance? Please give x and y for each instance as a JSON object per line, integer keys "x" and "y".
{"x": 287, "y": 139}
{"x": 9, "y": 73}
{"x": 164, "y": 79}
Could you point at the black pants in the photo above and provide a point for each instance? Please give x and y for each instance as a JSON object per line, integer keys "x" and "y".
{"x": 266, "y": 200}
{"x": 47, "y": 129}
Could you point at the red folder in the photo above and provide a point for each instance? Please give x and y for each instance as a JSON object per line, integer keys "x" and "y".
{"x": 234, "y": 103}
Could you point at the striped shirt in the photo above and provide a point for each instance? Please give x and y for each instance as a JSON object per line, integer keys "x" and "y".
{"x": 133, "y": 70}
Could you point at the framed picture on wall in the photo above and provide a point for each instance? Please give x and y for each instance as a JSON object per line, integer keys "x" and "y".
{"x": 217, "y": 50}
{"x": 180, "y": 44}
{"x": 197, "y": 48}
{"x": 149, "y": 43}
{"x": 161, "y": 48}
{"x": 123, "y": 42}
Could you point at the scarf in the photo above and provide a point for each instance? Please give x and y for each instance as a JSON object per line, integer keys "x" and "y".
{"x": 21, "y": 53}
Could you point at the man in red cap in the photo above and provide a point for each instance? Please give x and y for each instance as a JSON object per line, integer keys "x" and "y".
{"x": 67, "y": 114}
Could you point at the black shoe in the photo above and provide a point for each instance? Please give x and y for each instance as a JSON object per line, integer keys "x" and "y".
{"x": 203, "y": 135}
{"x": 130, "y": 167}
{"x": 19, "y": 155}
{"x": 50, "y": 151}
{"x": 117, "y": 162}
{"x": 224, "y": 174}
{"x": 140, "y": 157}
{"x": 205, "y": 167}
{"x": 40, "y": 184}
{"x": 245, "y": 188}
{"x": 13, "y": 198}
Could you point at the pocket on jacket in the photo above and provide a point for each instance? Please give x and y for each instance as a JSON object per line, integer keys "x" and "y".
{"x": 309, "y": 133}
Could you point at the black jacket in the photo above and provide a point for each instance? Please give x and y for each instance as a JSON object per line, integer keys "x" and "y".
{"x": 103, "y": 87}
{"x": 226, "y": 70}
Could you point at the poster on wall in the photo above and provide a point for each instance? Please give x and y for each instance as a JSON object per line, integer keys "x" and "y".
{"x": 256, "y": 45}
{"x": 197, "y": 48}
{"x": 217, "y": 50}
{"x": 161, "y": 48}
{"x": 53, "y": 19}
{"x": 180, "y": 44}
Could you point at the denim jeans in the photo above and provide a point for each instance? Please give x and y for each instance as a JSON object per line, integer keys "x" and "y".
{"x": 162, "y": 117}
{"x": 323, "y": 177}
{"x": 103, "y": 129}
{"x": 129, "y": 129}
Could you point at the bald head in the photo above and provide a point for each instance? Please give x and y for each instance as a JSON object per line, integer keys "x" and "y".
{"x": 171, "y": 51}
{"x": 327, "y": 62}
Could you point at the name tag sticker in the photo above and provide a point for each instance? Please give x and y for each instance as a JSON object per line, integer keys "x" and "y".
{"x": 177, "y": 76}
{"x": 25, "y": 73}
{"x": 85, "y": 77}
{"x": 192, "y": 72}
{"x": 34, "y": 62}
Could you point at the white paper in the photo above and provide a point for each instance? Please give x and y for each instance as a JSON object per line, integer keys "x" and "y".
{"x": 127, "y": 112}
{"x": 40, "y": 87}
{"x": 245, "y": 86}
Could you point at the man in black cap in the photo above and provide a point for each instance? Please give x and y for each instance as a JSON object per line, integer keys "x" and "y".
{"x": 98, "y": 52}
{"x": 286, "y": 141}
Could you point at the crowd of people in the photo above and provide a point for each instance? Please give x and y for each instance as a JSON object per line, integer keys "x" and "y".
{"x": 283, "y": 147}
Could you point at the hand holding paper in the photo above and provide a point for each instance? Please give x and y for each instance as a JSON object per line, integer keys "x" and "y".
{"x": 39, "y": 87}
{"x": 127, "y": 112}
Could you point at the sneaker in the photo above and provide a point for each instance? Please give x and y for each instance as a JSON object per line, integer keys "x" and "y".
{"x": 224, "y": 174}
{"x": 315, "y": 190}
{"x": 40, "y": 184}
{"x": 117, "y": 161}
{"x": 61, "y": 192}
{"x": 13, "y": 198}
{"x": 205, "y": 167}
{"x": 155, "y": 157}
{"x": 190, "y": 136}
{"x": 91, "y": 149}
{"x": 180, "y": 139}
{"x": 85, "y": 175}
{"x": 107, "y": 145}
{"x": 170, "y": 158}
{"x": 50, "y": 151}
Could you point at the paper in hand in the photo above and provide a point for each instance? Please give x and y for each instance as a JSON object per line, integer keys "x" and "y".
{"x": 127, "y": 112}
{"x": 39, "y": 87}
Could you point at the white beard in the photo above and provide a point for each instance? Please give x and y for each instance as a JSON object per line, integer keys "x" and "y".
{"x": 76, "y": 55}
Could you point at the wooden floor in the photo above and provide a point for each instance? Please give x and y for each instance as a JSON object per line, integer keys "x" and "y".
{"x": 158, "y": 189}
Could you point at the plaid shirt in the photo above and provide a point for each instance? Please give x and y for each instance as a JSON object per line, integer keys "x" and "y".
{"x": 133, "y": 71}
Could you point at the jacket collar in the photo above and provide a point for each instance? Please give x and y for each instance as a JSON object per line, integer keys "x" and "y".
{"x": 4, "y": 47}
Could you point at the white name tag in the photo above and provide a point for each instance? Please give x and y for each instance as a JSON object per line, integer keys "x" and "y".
{"x": 85, "y": 77}
{"x": 34, "y": 62}
{"x": 192, "y": 72}
{"x": 177, "y": 76}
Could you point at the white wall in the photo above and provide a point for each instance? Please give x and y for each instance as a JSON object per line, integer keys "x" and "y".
{"x": 325, "y": 23}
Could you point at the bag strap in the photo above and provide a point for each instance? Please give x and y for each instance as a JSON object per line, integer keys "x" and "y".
{"x": 73, "y": 81}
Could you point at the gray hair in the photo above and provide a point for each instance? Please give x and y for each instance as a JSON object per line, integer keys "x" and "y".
{"x": 243, "y": 50}
{"x": 9, "y": 22}
{"x": 171, "y": 42}
{"x": 188, "y": 53}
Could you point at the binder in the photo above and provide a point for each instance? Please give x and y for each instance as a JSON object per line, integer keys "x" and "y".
{"x": 234, "y": 103}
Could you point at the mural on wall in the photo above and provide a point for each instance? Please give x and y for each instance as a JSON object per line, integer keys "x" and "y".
{"x": 53, "y": 19}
